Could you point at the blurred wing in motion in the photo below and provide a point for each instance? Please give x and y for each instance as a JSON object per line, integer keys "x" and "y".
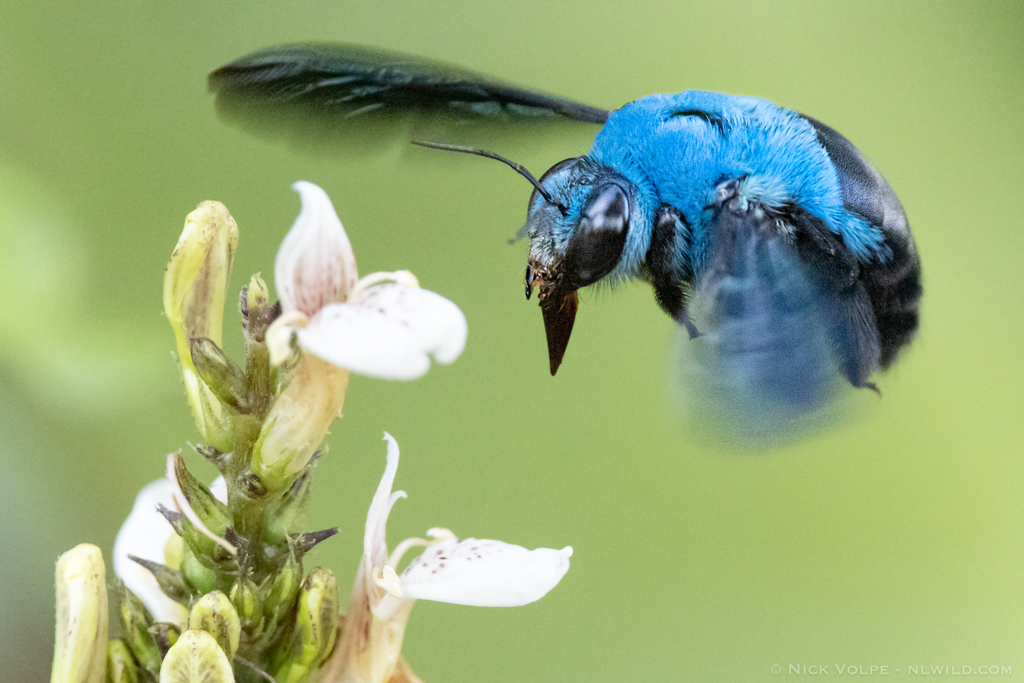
{"x": 325, "y": 92}
{"x": 784, "y": 315}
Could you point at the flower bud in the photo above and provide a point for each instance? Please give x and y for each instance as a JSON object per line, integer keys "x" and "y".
{"x": 225, "y": 379}
{"x": 288, "y": 514}
{"x": 121, "y": 666}
{"x": 257, "y": 311}
{"x": 135, "y": 623}
{"x": 215, "y": 614}
{"x": 196, "y": 657}
{"x": 298, "y": 421}
{"x": 210, "y": 511}
{"x": 195, "y": 284}
{"x": 315, "y": 629}
{"x": 245, "y": 596}
{"x": 80, "y": 648}
{"x": 279, "y": 595}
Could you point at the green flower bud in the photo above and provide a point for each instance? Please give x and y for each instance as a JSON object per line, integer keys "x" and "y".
{"x": 215, "y": 614}
{"x": 196, "y": 658}
{"x": 314, "y": 632}
{"x": 245, "y": 596}
{"x": 171, "y": 581}
{"x": 194, "y": 288}
{"x": 298, "y": 421}
{"x": 288, "y": 515}
{"x": 80, "y": 647}
{"x": 166, "y": 635}
{"x": 135, "y": 622}
{"x": 279, "y": 595}
{"x": 200, "y": 577}
{"x": 121, "y": 666}
{"x": 257, "y": 313}
{"x": 225, "y": 379}
{"x": 211, "y": 512}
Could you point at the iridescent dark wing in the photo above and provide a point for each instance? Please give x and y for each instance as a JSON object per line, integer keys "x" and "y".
{"x": 337, "y": 90}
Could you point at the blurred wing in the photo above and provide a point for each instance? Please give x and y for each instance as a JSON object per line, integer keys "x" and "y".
{"x": 894, "y": 285}
{"x": 345, "y": 90}
{"x": 784, "y": 316}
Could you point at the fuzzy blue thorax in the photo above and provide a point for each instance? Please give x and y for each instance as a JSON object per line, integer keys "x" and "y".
{"x": 679, "y": 159}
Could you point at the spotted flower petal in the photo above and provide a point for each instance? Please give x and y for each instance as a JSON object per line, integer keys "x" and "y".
{"x": 469, "y": 572}
{"x": 484, "y": 573}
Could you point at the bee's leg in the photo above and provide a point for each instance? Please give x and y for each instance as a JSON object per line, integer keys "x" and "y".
{"x": 668, "y": 264}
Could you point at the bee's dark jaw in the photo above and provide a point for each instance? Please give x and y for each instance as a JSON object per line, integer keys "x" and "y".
{"x": 559, "y": 309}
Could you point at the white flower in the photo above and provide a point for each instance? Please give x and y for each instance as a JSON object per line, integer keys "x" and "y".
{"x": 148, "y": 535}
{"x": 381, "y": 326}
{"x": 468, "y": 572}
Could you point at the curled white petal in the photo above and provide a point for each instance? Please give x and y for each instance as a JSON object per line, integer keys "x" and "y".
{"x": 390, "y": 333}
{"x": 484, "y": 573}
{"x": 375, "y": 547}
{"x": 145, "y": 534}
{"x": 315, "y": 265}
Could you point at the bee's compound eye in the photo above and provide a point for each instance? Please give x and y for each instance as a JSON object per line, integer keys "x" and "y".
{"x": 596, "y": 245}
{"x": 609, "y": 211}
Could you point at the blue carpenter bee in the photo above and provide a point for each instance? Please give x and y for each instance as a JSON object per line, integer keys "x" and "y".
{"x": 764, "y": 233}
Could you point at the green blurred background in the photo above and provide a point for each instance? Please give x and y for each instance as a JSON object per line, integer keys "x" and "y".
{"x": 895, "y": 539}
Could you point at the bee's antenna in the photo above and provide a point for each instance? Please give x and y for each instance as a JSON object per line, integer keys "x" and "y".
{"x": 491, "y": 155}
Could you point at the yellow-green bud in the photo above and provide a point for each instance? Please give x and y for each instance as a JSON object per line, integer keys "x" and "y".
{"x": 257, "y": 313}
{"x": 121, "y": 666}
{"x": 196, "y": 658}
{"x": 298, "y": 421}
{"x": 215, "y": 614}
{"x": 279, "y": 595}
{"x": 135, "y": 623}
{"x": 314, "y": 632}
{"x": 80, "y": 647}
{"x": 195, "y": 285}
{"x": 245, "y": 596}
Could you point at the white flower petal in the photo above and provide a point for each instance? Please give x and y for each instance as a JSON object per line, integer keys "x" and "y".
{"x": 484, "y": 573}
{"x": 437, "y": 324}
{"x": 375, "y": 546}
{"x": 145, "y": 534}
{"x": 315, "y": 265}
{"x": 364, "y": 341}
